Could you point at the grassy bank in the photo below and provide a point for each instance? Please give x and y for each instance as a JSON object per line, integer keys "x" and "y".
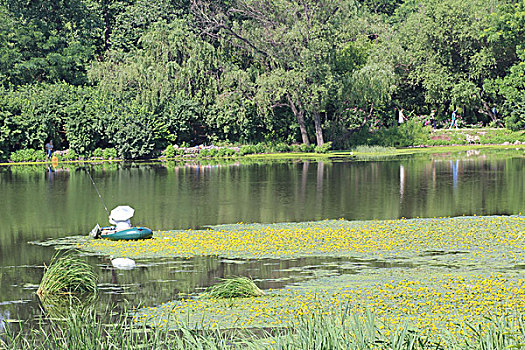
{"x": 343, "y": 331}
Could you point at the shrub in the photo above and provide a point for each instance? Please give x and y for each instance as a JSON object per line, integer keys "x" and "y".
{"x": 110, "y": 153}
{"x": 411, "y": 133}
{"x": 209, "y": 152}
{"x": 69, "y": 155}
{"x": 225, "y": 152}
{"x": 27, "y": 155}
{"x": 324, "y": 148}
{"x": 99, "y": 153}
{"x": 373, "y": 149}
{"x": 247, "y": 149}
{"x": 169, "y": 152}
{"x": 280, "y": 147}
{"x": 306, "y": 148}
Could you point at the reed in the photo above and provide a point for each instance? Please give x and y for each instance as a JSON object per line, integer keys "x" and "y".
{"x": 67, "y": 275}
{"x": 363, "y": 331}
{"x": 89, "y": 331}
{"x": 235, "y": 287}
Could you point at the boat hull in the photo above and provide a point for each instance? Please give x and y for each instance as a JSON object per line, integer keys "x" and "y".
{"x": 133, "y": 233}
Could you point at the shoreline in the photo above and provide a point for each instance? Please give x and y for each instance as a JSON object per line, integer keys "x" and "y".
{"x": 350, "y": 154}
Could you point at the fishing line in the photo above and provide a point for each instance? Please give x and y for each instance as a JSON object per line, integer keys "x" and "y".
{"x": 96, "y": 189}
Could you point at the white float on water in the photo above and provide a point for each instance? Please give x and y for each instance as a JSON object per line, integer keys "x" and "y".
{"x": 123, "y": 263}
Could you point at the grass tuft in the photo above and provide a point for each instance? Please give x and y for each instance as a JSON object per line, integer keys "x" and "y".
{"x": 67, "y": 275}
{"x": 236, "y": 287}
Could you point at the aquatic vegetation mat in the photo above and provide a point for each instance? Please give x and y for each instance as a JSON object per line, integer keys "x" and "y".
{"x": 439, "y": 305}
{"x": 494, "y": 239}
{"x": 439, "y": 275}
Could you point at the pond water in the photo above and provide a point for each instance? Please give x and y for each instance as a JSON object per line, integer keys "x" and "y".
{"x": 38, "y": 203}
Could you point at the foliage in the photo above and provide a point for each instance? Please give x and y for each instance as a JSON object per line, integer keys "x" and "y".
{"x": 235, "y": 287}
{"x": 172, "y": 152}
{"x": 44, "y": 41}
{"x": 304, "y": 78}
{"x": 109, "y": 153}
{"x": 169, "y": 82}
{"x": 27, "y": 155}
{"x": 373, "y": 149}
{"x": 324, "y": 148}
{"x": 68, "y": 275}
{"x": 252, "y": 149}
{"x": 448, "y": 59}
{"x": 138, "y": 76}
{"x": 99, "y": 152}
{"x": 87, "y": 330}
{"x": 68, "y": 155}
{"x": 217, "y": 152}
{"x": 410, "y": 133}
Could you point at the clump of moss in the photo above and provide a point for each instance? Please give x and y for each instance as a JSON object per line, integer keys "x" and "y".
{"x": 236, "y": 287}
{"x": 68, "y": 275}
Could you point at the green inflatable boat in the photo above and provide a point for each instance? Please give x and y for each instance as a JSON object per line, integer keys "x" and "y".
{"x": 132, "y": 233}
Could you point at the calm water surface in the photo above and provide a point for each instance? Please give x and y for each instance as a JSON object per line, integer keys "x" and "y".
{"x": 38, "y": 203}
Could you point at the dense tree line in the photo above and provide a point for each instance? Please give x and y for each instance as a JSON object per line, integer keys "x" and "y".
{"x": 139, "y": 75}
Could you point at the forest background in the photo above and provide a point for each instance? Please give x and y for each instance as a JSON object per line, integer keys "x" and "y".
{"x": 138, "y": 76}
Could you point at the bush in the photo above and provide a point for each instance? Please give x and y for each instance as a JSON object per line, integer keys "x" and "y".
{"x": 109, "y": 153}
{"x": 169, "y": 152}
{"x": 252, "y": 149}
{"x": 280, "y": 147}
{"x": 306, "y": 148}
{"x": 172, "y": 151}
{"x": 226, "y": 152}
{"x": 208, "y": 152}
{"x": 70, "y": 155}
{"x": 27, "y": 155}
{"x": 411, "y": 133}
{"x": 99, "y": 153}
{"x": 324, "y": 148}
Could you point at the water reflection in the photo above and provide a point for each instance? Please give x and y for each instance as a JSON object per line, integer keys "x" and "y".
{"x": 455, "y": 166}
{"x": 41, "y": 205}
{"x": 401, "y": 182}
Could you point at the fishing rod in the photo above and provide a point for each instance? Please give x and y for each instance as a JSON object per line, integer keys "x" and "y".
{"x": 96, "y": 189}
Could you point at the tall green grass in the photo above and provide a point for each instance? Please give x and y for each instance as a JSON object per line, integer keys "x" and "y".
{"x": 354, "y": 332}
{"x": 67, "y": 275}
{"x": 89, "y": 331}
{"x": 236, "y": 287}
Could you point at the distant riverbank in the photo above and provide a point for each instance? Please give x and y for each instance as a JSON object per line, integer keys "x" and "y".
{"x": 439, "y": 140}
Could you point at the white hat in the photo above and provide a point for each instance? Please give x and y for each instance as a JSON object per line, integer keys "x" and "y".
{"x": 122, "y": 213}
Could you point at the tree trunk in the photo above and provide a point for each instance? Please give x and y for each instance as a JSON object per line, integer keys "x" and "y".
{"x": 299, "y": 115}
{"x": 488, "y": 111}
{"x": 318, "y": 129}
